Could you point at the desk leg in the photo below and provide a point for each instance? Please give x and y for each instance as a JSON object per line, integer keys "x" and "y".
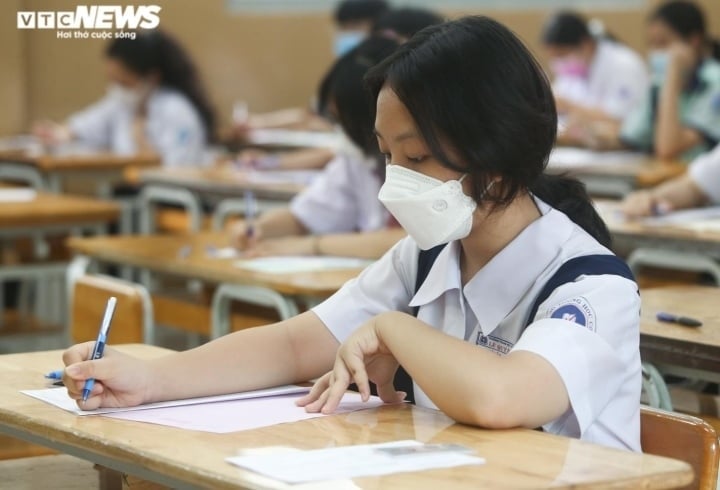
{"x": 77, "y": 268}
{"x": 109, "y": 479}
{"x": 285, "y": 306}
{"x": 55, "y": 182}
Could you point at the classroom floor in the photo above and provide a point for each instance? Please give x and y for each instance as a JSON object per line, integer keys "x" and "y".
{"x": 59, "y": 472}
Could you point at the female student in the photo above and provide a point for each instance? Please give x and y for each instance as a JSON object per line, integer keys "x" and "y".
{"x": 596, "y": 79}
{"x": 699, "y": 187}
{"x": 155, "y": 103}
{"x": 339, "y": 214}
{"x": 680, "y": 117}
{"x": 466, "y": 119}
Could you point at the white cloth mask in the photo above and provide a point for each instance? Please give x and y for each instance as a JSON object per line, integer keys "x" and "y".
{"x": 431, "y": 211}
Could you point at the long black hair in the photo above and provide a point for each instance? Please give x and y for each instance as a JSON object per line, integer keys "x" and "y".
{"x": 157, "y": 51}
{"x": 475, "y": 91}
{"x": 343, "y": 86}
{"x": 686, "y": 19}
{"x": 566, "y": 29}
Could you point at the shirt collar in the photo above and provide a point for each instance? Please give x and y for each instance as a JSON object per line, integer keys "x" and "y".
{"x": 497, "y": 288}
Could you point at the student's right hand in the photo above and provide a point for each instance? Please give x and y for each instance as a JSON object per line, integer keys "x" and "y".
{"x": 239, "y": 236}
{"x": 120, "y": 380}
{"x": 643, "y": 203}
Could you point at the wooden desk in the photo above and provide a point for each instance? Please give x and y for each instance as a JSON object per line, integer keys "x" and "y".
{"x": 685, "y": 351}
{"x": 102, "y": 169}
{"x": 219, "y": 182}
{"x": 187, "y": 459}
{"x": 162, "y": 254}
{"x": 52, "y": 212}
{"x": 668, "y": 237}
{"x": 618, "y": 179}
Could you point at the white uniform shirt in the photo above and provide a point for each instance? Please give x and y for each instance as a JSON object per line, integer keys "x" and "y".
{"x": 173, "y": 128}
{"x": 588, "y": 329}
{"x": 343, "y": 198}
{"x": 616, "y": 83}
{"x": 705, "y": 172}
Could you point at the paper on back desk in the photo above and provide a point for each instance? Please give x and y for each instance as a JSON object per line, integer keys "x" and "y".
{"x": 60, "y": 398}
{"x": 567, "y": 157}
{"x": 237, "y": 415}
{"x": 19, "y": 194}
{"x": 293, "y": 264}
{"x": 685, "y": 218}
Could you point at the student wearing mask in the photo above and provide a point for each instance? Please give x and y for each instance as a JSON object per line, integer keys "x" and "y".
{"x": 402, "y": 23}
{"x": 339, "y": 213}
{"x": 680, "y": 117}
{"x": 596, "y": 79}
{"x": 155, "y": 103}
{"x": 354, "y": 20}
{"x": 699, "y": 187}
{"x": 504, "y": 304}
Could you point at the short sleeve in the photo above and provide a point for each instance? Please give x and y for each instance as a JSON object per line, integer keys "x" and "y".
{"x": 628, "y": 87}
{"x": 386, "y": 285}
{"x": 637, "y": 128}
{"x": 329, "y": 205}
{"x": 703, "y": 114}
{"x": 177, "y": 133}
{"x": 705, "y": 173}
{"x": 92, "y": 126}
{"x": 589, "y": 331}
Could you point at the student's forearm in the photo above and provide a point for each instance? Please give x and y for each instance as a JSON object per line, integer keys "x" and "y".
{"x": 671, "y": 137}
{"x": 471, "y": 384}
{"x": 310, "y": 158}
{"x": 280, "y": 223}
{"x": 680, "y": 193}
{"x": 366, "y": 245}
{"x": 291, "y": 351}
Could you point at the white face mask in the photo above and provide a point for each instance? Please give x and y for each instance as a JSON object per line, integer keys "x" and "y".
{"x": 433, "y": 212}
{"x": 126, "y": 96}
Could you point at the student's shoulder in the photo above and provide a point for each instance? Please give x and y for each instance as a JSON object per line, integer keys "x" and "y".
{"x": 173, "y": 103}
{"x": 622, "y": 58}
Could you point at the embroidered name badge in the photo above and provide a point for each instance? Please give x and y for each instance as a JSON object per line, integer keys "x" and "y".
{"x": 576, "y": 310}
{"x": 496, "y": 344}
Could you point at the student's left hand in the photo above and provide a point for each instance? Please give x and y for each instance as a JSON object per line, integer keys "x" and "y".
{"x": 681, "y": 57}
{"x": 363, "y": 358}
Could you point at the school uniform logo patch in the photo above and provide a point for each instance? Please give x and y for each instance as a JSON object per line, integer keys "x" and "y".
{"x": 576, "y": 310}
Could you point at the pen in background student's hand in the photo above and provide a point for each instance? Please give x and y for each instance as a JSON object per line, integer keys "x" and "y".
{"x": 97, "y": 352}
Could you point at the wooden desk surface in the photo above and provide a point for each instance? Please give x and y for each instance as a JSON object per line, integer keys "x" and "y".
{"x": 644, "y": 173}
{"x": 610, "y": 211}
{"x": 47, "y": 162}
{"x": 515, "y": 458}
{"x": 223, "y": 180}
{"x": 160, "y": 253}
{"x": 56, "y": 209}
{"x": 697, "y": 348}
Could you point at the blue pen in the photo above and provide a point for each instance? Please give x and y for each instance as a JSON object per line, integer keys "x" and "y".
{"x": 249, "y": 214}
{"x": 58, "y": 374}
{"x": 97, "y": 352}
{"x": 685, "y": 321}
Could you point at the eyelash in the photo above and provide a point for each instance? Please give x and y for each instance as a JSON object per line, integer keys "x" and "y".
{"x": 412, "y": 160}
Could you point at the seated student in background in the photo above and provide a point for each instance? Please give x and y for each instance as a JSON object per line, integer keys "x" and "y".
{"x": 699, "y": 187}
{"x": 680, "y": 117}
{"x": 466, "y": 120}
{"x": 339, "y": 214}
{"x": 354, "y": 21}
{"x": 397, "y": 24}
{"x": 596, "y": 79}
{"x": 402, "y": 23}
{"x": 154, "y": 103}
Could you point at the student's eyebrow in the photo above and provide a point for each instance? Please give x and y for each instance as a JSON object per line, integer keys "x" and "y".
{"x": 403, "y": 136}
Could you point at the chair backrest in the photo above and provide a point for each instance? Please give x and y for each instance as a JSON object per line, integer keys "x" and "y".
{"x": 132, "y": 322}
{"x": 682, "y": 437}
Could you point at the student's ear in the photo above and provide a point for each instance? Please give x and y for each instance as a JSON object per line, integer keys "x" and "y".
{"x": 154, "y": 78}
{"x": 697, "y": 41}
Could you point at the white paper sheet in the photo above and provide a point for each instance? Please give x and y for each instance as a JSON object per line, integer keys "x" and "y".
{"x": 566, "y": 157}
{"x": 288, "y": 137}
{"x": 685, "y": 217}
{"x": 60, "y": 398}
{"x": 294, "y": 264}
{"x": 21, "y": 194}
{"x": 237, "y": 415}
{"x": 300, "y": 177}
{"x": 352, "y": 461}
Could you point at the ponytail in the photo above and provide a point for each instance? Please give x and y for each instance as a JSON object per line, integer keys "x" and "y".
{"x": 570, "y": 196}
